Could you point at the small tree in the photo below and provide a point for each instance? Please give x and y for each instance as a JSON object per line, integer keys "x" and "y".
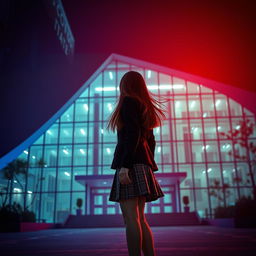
{"x": 240, "y": 136}
{"x": 79, "y": 202}
{"x": 12, "y": 171}
{"x": 40, "y": 164}
{"x": 219, "y": 191}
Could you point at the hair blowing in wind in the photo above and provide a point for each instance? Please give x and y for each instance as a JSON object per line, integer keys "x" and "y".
{"x": 133, "y": 84}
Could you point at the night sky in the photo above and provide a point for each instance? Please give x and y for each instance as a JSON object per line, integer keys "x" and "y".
{"x": 212, "y": 39}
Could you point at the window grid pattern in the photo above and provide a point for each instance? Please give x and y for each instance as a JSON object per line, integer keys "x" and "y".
{"x": 78, "y": 144}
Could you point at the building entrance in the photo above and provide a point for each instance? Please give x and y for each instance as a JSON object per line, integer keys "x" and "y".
{"x": 99, "y": 203}
{"x": 98, "y": 190}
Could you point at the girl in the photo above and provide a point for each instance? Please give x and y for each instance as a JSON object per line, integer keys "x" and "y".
{"x": 134, "y": 183}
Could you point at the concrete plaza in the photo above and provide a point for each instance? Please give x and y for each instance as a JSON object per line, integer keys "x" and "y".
{"x": 173, "y": 240}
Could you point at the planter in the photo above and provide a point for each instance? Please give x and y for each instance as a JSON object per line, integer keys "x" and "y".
{"x": 223, "y": 222}
{"x": 33, "y": 226}
{"x": 9, "y": 226}
{"x": 78, "y": 212}
{"x": 186, "y": 209}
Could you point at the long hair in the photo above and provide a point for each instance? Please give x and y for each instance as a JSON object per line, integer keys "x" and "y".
{"x": 133, "y": 84}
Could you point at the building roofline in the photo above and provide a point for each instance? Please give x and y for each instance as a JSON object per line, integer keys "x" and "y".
{"x": 245, "y": 98}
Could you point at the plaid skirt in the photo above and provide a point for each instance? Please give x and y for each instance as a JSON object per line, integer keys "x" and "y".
{"x": 143, "y": 183}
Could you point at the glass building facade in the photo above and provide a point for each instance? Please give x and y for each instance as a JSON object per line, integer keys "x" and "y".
{"x": 75, "y": 142}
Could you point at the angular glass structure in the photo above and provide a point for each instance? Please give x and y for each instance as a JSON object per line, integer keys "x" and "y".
{"x": 77, "y": 151}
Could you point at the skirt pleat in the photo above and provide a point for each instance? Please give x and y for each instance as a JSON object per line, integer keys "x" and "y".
{"x": 143, "y": 183}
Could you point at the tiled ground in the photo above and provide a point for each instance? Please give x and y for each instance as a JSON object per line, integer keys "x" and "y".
{"x": 169, "y": 241}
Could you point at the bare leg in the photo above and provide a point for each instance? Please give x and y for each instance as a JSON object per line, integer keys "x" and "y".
{"x": 147, "y": 236}
{"x": 130, "y": 212}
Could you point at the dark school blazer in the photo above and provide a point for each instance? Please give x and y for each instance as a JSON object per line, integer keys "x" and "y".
{"x": 134, "y": 143}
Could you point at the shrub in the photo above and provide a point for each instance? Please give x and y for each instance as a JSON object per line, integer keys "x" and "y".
{"x": 224, "y": 212}
{"x": 28, "y": 216}
{"x": 245, "y": 207}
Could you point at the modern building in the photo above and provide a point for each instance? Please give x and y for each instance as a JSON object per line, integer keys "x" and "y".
{"x": 190, "y": 151}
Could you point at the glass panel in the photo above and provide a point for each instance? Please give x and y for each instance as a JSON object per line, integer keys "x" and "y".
{"x": 108, "y": 153}
{"x": 62, "y": 207}
{"x": 198, "y": 151}
{"x": 165, "y": 128}
{"x": 155, "y": 209}
{"x": 243, "y": 174}
{"x": 110, "y": 75}
{"x": 51, "y": 135}
{"x": 188, "y": 182}
{"x": 166, "y": 153}
{"x": 109, "y": 136}
{"x": 180, "y": 107}
{"x": 78, "y": 185}
{"x": 221, "y": 105}
{"x": 236, "y": 123}
{"x": 111, "y": 210}
{"x": 247, "y": 112}
{"x": 229, "y": 174}
{"x": 167, "y": 198}
{"x": 210, "y": 129}
{"x": 49, "y": 182}
{"x": 96, "y": 86}
{"x": 32, "y": 203}
{"x": 50, "y": 155}
{"x": 202, "y": 203}
{"x": 205, "y": 89}
{"x": 35, "y": 155}
{"x": 81, "y": 133}
{"x": 214, "y": 174}
{"x": 231, "y": 196}
{"x": 66, "y": 133}
{"x": 80, "y": 154}
{"x": 196, "y": 129}
{"x": 82, "y": 109}
{"x": 40, "y": 140}
{"x": 98, "y": 210}
{"x": 182, "y": 130}
{"x": 68, "y": 115}
{"x": 235, "y": 108}
{"x": 95, "y": 109}
{"x": 98, "y": 199}
{"x": 194, "y": 106}
{"x": 65, "y": 154}
{"x": 47, "y": 206}
{"x": 94, "y": 154}
{"x": 200, "y": 175}
{"x": 85, "y": 93}
{"x": 168, "y": 209}
{"x": 192, "y": 87}
{"x": 108, "y": 107}
{"x": 179, "y": 86}
{"x": 253, "y": 123}
{"x": 64, "y": 179}
{"x": 165, "y": 83}
{"x": 208, "y": 107}
{"x": 18, "y": 197}
{"x": 183, "y": 152}
{"x": 223, "y": 126}
{"x": 24, "y": 155}
{"x": 110, "y": 82}
{"x": 225, "y": 148}
{"x": 34, "y": 180}
{"x": 211, "y": 150}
